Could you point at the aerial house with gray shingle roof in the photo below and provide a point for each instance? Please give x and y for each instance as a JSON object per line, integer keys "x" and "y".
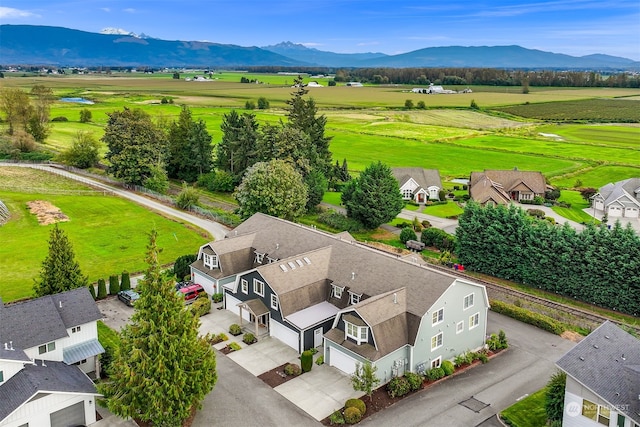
{"x": 500, "y": 187}
{"x": 603, "y": 380}
{"x": 418, "y": 184}
{"x": 311, "y": 289}
{"x": 48, "y": 345}
{"x": 621, "y": 199}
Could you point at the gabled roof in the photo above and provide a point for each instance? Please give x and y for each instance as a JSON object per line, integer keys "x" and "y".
{"x": 628, "y": 187}
{"x": 607, "y": 362}
{"x": 510, "y": 179}
{"x": 45, "y": 319}
{"x": 54, "y": 377}
{"x": 425, "y": 178}
{"x": 484, "y": 189}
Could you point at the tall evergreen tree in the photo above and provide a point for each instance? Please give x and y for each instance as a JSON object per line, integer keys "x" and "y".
{"x": 238, "y": 149}
{"x": 60, "y": 271}
{"x": 162, "y": 368}
{"x": 189, "y": 148}
{"x": 374, "y": 197}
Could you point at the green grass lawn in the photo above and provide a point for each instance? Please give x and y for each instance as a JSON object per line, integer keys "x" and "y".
{"x": 575, "y": 212}
{"x": 529, "y": 412}
{"x": 108, "y": 234}
{"x": 332, "y": 198}
{"x": 443, "y": 211}
{"x": 107, "y": 336}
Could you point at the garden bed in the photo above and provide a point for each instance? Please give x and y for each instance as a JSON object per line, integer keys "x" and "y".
{"x": 276, "y": 376}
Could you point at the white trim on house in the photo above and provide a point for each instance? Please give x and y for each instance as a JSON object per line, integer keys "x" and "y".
{"x": 468, "y": 301}
{"x": 437, "y": 341}
{"x": 437, "y": 316}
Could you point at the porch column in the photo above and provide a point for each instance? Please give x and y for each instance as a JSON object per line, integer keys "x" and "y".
{"x": 240, "y": 315}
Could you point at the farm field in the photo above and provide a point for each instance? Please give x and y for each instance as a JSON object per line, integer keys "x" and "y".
{"x": 108, "y": 234}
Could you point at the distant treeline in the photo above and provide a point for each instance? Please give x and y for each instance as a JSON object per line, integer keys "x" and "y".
{"x": 598, "y": 265}
{"x": 470, "y": 76}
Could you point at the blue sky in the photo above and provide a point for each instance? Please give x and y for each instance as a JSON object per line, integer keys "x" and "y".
{"x": 574, "y": 27}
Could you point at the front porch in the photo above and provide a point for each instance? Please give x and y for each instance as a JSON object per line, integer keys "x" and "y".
{"x": 258, "y": 317}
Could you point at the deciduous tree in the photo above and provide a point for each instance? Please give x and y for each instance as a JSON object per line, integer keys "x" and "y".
{"x": 364, "y": 378}
{"x": 60, "y": 271}
{"x": 84, "y": 151}
{"x": 15, "y": 104}
{"x": 162, "y": 368}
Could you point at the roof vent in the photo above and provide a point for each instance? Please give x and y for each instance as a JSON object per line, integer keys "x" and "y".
{"x": 595, "y": 346}
{"x": 277, "y": 245}
{"x": 292, "y": 265}
{"x": 606, "y": 336}
{"x": 623, "y": 358}
{"x": 299, "y": 263}
{"x": 353, "y": 275}
{"x": 581, "y": 358}
{"x": 43, "y": 365}
{"x": 307, "y": 260}
{"x": 6, "y": 346}
{"x": 395, "y": 298}
{"x": 60, "y": 304}
{"x": 11, "y": 346}
{"x": 283, "y": 268}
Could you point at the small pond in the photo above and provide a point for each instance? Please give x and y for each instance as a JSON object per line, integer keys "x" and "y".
{"x": 77, "y": 100}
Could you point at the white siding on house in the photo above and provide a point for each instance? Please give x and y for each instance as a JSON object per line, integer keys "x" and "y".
{"x": 231, "y": 304}
{"x": 38, "y": 412}
{"x": 574, "y": 395}
{"x": 9, "y": 369}
{"x": 208, "y": 284}
{"x": 284, "y": 334}
{"x": 341, "y": 361}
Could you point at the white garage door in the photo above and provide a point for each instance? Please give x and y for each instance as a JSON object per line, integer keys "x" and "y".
{"x": 341, "y": 361}
{"x": 231, "y": 303}
{"x": 284, "y": 334}
{"x": 71, "y": 416}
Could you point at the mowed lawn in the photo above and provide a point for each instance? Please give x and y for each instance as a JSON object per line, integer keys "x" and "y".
{"x": 529, "y": 412}
{"x": 108, "y": 234}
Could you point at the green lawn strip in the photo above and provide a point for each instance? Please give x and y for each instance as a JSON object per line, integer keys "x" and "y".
{"x": 443, "y": 211}
{"x": 107, "y": 336}
{"x": 411, "y": 207}
{"x": 528, "y": 412}
{"x": 598, "y": 176}
{"x": 606, "y": 135}
{"x": 332, "y": 198}
{"x": 575, "y": 212}
{"x": 108, "y": 234}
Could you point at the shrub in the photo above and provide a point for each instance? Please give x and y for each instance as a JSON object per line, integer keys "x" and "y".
{"x": 340, "y": 222}
{"x": 550, "y": 219}
{"x": 234, "y": 346}
{"x": 114, "y": 285}
{"x": 426, "y": 224}
{"x": 218, "y": 338}
{"x": 493, "y": 342}
{"x": 292, "y": 369}
{"x": 538, "y": 213}
{"x": 92, "y": 291}
{"x": 125, "y": 281}
{"x": 398, "y": 386}
{"x": 352, "y": 415}
{"x": 248, "y": 338}
{"x": 217, "y": 297}
{"x": 187, "y": 198}
{"x": 415, "y": 380}
{"x": 434, "y": 374}
{"x": 483, "y": 357}
{"x": 181, "y": 265}
{"x": 447, "y": 367}
{"x": 263, "y": 103}
{"x": 536, "y": 319}
{"x": 85, "y": 115}
{"x": 306, "y": 361}
{"x": 60, "y": 119}
{"x": 102, "y": 289}
{"x": 336, "y": 418}
{"x": 320, "y": 360}
{"x": 235, "y": 330}
{"x": 503, "y": 339}
{"x": 201, "y": 306}
{"x": 407, "y": 234}
{"x": 356, "y": 403}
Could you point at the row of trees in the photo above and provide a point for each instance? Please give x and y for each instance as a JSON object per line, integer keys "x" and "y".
{"x": 598, "y": 265}
{"x": 27, "y": 114}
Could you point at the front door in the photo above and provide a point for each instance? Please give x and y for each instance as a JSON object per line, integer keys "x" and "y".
{"x": 264, "y": 321}
{"x": 317, "y": 337}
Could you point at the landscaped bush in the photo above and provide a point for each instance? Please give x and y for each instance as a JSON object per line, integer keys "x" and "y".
{"x": 426, "y": 224}
{"x": 407, "y": 234}
{"x": 234, "y": 346}
{"x": 340, "y": 222}
{"x": 398, "y": 386}
{"x": 306, "y": 360}
{"x": 538, "y": 213}
{"x": 352, "y": 415}
{"x": 218, "y": 338}
{"x": 125, "y": 281}
{"x": 320, "y": 360}
{"x": 217, "y": 297}
{"x": 415, "y": 380}
{"x": 447, "y": 367}
{"x": 235, "y": 330}
{"x": 440, "y": 239}
{"x": 114, "y": 285}
{"x": 200, "y": 307}
{"x": 292, "y": 369}
{"x": 356, "y": 403}
{"x": 336, "y": 418}
{"x": 249, "y": 338}
{"x": 434, "y": 374}
{"x": 92, "y": 291}
{"x": 482, "y": 357}
{"x": 60, "y": 119}
{"x": 102, "y": 289}
{"x": 536, "y": 319}
{"x": 497, "y": 341}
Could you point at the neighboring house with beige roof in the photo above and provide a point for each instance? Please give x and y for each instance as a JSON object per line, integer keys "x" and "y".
{"x": 619, "y": 200}
{"x": 418, "y": 184}
{"x": 313, "y": 289}
{"x": 500, "y": 187}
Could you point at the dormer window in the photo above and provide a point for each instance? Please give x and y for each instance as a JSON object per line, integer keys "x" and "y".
{"x": 354, "y": 298}
{"x": 210, "y": 260}
{"x": 45, "y": 348}
{"x": 259, "y": 258}
{"x": 336, "y": 291}
{"x": 360, "y": 334}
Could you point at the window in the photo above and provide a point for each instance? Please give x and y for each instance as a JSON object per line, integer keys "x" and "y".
{"x": 406, "y": 194}
{"x": 360, "y": 334}
{"x": 436, "y": 362}
{"x": 210, "y": 261}
{"x": 258, "y": 287}
{"x": 460, "y": 327}
{"x": 474, "y": 321}
{"x": 589, "y": 409}
{"x": 336, "y": 291}
{"x": 244, "y": 285}
{"x": 604, "y": 415}
{"x": 468, "y": 301}
{"x": 274, "y": 301}
{"x": 436, "y": 341}
{"x": 45, "y": 348}
{"x": 437, "y": 317}
{"x": 1, "y": 376}
{"x": 355, "y": 298}
{"x": 82, "y": 362}
{"x": 75, "y": 329}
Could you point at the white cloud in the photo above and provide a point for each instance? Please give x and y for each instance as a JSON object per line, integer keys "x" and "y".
{"x": 311, "y": 44}
{"x": 105, "y": 9}
{"x": 129, "y": 10}
{"x": 9, "y": 12}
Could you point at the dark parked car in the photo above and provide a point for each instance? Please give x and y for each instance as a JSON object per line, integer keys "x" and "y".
{"x": 128, "y": 297}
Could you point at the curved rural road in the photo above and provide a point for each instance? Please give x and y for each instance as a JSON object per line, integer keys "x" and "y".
{"x": 216, "y": 230}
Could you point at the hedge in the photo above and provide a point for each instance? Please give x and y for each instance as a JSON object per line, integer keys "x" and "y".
{"x": 536, "y": 319}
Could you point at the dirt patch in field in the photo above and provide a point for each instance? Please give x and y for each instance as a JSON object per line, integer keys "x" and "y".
{"x": 571, "y": 336}
{"x": 46, "y": 212}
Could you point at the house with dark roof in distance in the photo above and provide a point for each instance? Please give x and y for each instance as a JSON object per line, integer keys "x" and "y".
{"x": 311, "y": 289}
{"x": 500, "y": 187}
{"x": 418, "y": 184}
{"x": 621, "y": 199}
{"x": 603, "y": 380}
{"x": 48, "y": 347}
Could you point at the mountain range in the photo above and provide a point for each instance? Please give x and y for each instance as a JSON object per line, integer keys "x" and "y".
{"x": 57, "y": 46}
